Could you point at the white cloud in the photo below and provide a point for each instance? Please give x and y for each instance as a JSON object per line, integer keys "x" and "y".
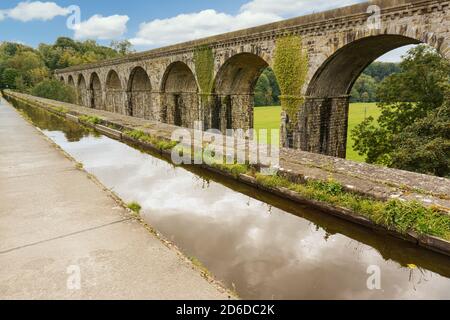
{"x": 185, "y": 27}
{"x": 103, "y": 28}
{"x": 194, "y": 26}
{"x": 37, "y": 10}
{"x": 396, "y": 55}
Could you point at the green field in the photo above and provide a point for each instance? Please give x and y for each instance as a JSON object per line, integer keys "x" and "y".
{"x": 269, "y": 118}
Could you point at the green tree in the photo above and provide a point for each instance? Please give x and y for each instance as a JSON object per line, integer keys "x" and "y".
{"x": 263, "y": 92}
{"x": 123, "y": 47}
{"x": 8, "y": 78}
{"x": 267, "y": 91}
{"x": 364, "y": 89}
{"x": 426, "y": 144}
{"x": 409, "y": 100}
{"x": 56, "y": 90}
{"x": 380, "y": 70}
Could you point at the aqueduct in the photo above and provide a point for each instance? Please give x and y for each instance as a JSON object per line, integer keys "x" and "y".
{"x": 170, "y": 85}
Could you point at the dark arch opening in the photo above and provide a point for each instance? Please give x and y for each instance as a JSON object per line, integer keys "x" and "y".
{"x": 82, "y": 94}
{"x": 61, "y": 79}
{"x": 323, "y": 121}
{"x": 114, "y": 93}
{"x": 71, "y": 82}
{"x": 96, "y": 91}
{"x": 234, "y": 87}
{"x": 139, "y": 94}
{"x": 180, "y": 96}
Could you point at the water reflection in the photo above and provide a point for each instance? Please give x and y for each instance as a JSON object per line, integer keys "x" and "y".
{"x": 264, "y": 246}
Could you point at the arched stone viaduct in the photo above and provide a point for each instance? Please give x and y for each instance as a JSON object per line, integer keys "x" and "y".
{"x": 164, "y": 85}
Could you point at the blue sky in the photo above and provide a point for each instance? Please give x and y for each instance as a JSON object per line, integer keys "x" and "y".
{"x": 148, "y": 24}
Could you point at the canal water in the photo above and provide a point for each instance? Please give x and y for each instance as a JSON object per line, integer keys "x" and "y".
{"x": 263, "y": 246}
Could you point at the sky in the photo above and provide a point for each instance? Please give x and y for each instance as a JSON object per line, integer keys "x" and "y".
{"x": 147, "y": 23}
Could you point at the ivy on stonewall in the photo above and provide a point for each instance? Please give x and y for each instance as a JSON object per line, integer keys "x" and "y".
{"x": 204, "y": 68}
{"x": 291, "y": 68}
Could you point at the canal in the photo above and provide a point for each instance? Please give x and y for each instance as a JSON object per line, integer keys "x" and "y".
{"x": 262, "y": 246}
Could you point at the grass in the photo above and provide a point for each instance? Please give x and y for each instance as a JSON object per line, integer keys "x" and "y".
{"x": 357, "y": 113}
{"x": 91, "y": 119}
{"x": 401, "y": 216}
{"x": 269, "y": 118}
{"x": 135, "y": 207}
{"x": 79, "y": 165}
{"x": 144, "y": 137}
{"x": 200, "y": 266}
{"x": 62, "y": 109}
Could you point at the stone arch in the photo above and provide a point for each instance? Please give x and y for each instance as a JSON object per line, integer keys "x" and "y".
{"x": 323, "y": 120}
{"x": 179, "y": 95}
{"x": 114, "y": 92}
{"x": 336, "y": 76}
{"x": 95, "y": 88}
{"x": 82, "y": 92}
{"x": 70, "y": 81}
{"x": 234, "y": 89}
{"x": 61, "y": 78}
{"x": 139, "y": 94}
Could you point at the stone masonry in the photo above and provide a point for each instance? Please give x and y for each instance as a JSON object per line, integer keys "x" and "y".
{"x": 162, "y": 84}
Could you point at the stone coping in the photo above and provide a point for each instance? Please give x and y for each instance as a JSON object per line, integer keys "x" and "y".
{"x": 310, "y": 21}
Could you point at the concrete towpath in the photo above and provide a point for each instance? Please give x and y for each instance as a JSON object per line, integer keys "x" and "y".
{"x": 59, "y": 229}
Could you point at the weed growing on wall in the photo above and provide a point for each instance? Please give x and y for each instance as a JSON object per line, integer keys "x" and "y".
{"x": 291, "y": 68}
{"x": 204, "y": 68}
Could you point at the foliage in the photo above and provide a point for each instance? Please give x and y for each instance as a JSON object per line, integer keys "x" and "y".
{"x": 123, "y": 47}
{"x": 425, "y": 144}
{"x": 380, "y": 70}
{"x": 55, "y": 90}
{"x": 364, "y": 89}
{"x": 135, "y": 207}
{"x": 23, "y": 68}
{"x": 291, "y": 67}
{"x": 395, "y": 215}
{"x": 267, "y": 91}
{"x": 67, "y": 52}
{"x": 91, "y": 119}
{"x": 204, "y": 68}
{"x": 156, "y": 142}
{"x": 413, "y": 107}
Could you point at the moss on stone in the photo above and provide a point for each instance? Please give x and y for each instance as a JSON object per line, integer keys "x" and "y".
{"x": 291, "y": 68}
{"x": 204, "y": 68}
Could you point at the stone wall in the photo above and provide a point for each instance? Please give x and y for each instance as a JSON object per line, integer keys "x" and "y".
{"x": 340, "y": 44}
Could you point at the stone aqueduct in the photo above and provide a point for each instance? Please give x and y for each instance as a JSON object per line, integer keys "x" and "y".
{"x": 163, "y": 84}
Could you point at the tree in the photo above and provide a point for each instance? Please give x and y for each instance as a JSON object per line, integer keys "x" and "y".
{"x": 426, "y": 144}
{"x": 267, "y": 91}
{"x": 380, "y": 70}
{"x": 364, "y": 89}
{"x": 263, "y": 92}
{"x": 56, "y": 90}
{"x": 409, "y": 101}
{"x": 8, "y": 78}
{"x": 122, "y": 47}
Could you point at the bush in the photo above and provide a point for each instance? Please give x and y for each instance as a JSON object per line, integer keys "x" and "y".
{"x": 55, "y": 90}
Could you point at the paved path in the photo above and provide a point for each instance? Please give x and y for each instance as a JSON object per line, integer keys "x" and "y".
{"x": 55, "y": 221}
